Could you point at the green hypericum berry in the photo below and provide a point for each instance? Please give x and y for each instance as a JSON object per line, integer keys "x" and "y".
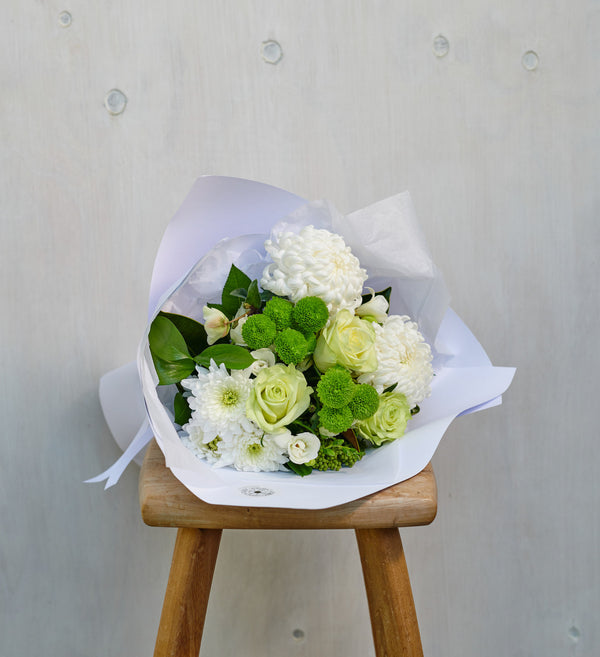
{"x": 365, "y": 401}
{"x": 336, "y": 420}
{"x": 290, "y": 346}
{"x": 280, "y": 311}
{"x": 336, "y": 387}
{"x": 335, "y": 453}
{"x": 310, "y": 315}
{"x": 259, "y": 331}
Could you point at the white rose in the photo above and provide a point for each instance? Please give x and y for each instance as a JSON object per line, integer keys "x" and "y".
{"x": 301, "y": 448}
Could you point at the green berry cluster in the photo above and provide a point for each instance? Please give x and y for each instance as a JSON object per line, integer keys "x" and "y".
{"x": 335, "y": 453}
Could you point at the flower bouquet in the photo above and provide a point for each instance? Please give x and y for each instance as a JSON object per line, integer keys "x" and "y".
{"x": 312, "y": 344}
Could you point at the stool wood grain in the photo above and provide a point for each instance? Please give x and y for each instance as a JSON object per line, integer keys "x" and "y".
{"x": 165, "y": 502}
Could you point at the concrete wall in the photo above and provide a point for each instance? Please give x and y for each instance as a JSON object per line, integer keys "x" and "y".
{"x": 501, "y": 154}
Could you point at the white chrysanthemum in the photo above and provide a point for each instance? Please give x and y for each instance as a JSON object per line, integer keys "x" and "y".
{"x": 403, "y": 358}
{"x": 314, "y": 262}
{"x": 194, "y": 441}
{"x": 252, "y": 452}
{"x": 218, "y": 402}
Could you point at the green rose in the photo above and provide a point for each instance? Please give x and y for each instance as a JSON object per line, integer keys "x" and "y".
{"x": 389, "y": 420}
{"x": 348, "y": 341}
{"x": 279, "y": 396}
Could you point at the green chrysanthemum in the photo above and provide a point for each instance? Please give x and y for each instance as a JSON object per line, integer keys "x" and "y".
{"x": 310, "y": 315}
{"x": 291, "y": 346}
{"x": 259, "y": 331}
{"x": 336, "y": 387}
{"x": 280, "y": 311}
{"x": 336, "y": 420}
{"x": 365, "y": 401}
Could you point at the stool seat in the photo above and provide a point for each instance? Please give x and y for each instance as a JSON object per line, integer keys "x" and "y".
{"x": 165, "y": 502}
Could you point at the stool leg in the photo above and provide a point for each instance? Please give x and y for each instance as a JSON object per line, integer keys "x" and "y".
{"x": 391, "y": 606}
{"x": 186, "y": 598}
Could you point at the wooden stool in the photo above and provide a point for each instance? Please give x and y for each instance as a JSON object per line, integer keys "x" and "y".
{"x": 165, "y": 502}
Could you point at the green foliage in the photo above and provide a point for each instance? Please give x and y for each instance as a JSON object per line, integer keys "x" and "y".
{"x": 310, "y": 315}
{"x": 365, "y": 402}
{"x": 259, "y": 331}
{"x": 336, "y": 387}
{"x": 280, "y": 311}
{"x": 237, "y": 282}
{"x": 169, "y": 351}
{"x": 172, "y": 372}
{"x": 166, "y": 341}
{"x": 182, "y": 409}
{"x": 253, "y": 296}
{"x": 232, "y": 356}
{"x": 299, "y": 468}
{"x": 291, "y": 346}
{"x": 192, "y": 331}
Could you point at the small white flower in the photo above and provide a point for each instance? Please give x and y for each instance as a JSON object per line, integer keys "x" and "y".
{"x": 375, "y": 309}
{"x": 403, "y": 357}
{"x": 236, "y": 330}
{"x": 314, "y": 262}
{"x": 303, "y": 448}
{"x": 253, "y": 452}
{"x": 263, "y": 358}
{"x": 218, "y": 402}
{"x": 216, "y": 324}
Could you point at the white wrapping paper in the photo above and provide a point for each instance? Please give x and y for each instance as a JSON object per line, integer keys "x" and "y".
{"x": 225, "y": 221}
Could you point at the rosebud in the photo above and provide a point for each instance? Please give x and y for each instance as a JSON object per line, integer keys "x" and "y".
{"x": 216, "y": 324}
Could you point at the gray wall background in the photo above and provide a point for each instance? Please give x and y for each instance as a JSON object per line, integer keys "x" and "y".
{"x": 502, "y": 163}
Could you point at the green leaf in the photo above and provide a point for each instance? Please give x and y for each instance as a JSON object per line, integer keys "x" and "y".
{"x": 266, "y": 295}
{"x": 232, "y": 356}
{"x": 192, "y": 331}
{"x": 172, "y": 372}
{"x": 166, "y": 341}
{"x": 239, "y": 292}
{"x": 253, "y": 297}
{"x": 235, "y": 280}
{"x": 182, "y": 409}
{"x": 391, "y": 388}
{"x": 299, "y": 468}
